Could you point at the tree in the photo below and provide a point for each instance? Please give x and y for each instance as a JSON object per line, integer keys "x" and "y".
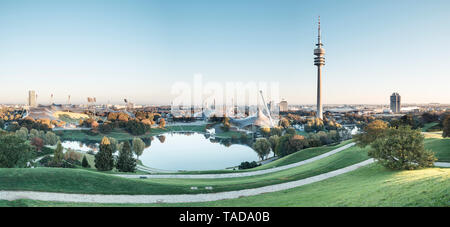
{"x": 265, "y": 131}
{"x": 162, "y": 123}
{"x": 371, "y": 132}
{"x": 104, "y": 160}
{"x": 33, "y": 133}
{"x": 50, "y": 138}
{"x": 14, "y": 151}
{"x": 126, "y": 162}
{"x": 446, "y": 125}
{"x": 284, "y": 123}
{"x": 114, "y": 144}
{"x": 401, "y": 148}
{"x": 38, "y": 143}
{"x": 282, "y": 147}
{"x": 138, "y": 147}
{"x": 262, "y": 147}
{"x": 85, "y": 162}
{"x": 273, "y": 142}
{"x": 22, "y": 133}
{"x": 276, "y": 131}
{"x": 226, "y": 124}
{"x": 58, "y": 155}
{"x": 290, "y": 131}
{"x": 296, "y": 143}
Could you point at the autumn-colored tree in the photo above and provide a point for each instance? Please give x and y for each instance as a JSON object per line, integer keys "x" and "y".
{"x": 38, "y": 143}
{"x": 162, "y": 123}
{"x": 284, "y": 123}
{"x": 265, "y": 131}
{"x": 371, "y": 132}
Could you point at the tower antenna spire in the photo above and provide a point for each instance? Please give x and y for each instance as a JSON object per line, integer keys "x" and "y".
{"x": 319, "y": 38}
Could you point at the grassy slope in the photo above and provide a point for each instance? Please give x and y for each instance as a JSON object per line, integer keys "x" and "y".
{"x": 368, "y": 186}
{"x": 427, "y": 126}
{"x": 289, "y": 159}
{"x": 82, "y": 181}
{"x": 441, "y": 147}
{"x": 301, "y": 155}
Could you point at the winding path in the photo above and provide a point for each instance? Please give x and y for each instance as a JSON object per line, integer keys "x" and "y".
{"x": 442, "y": 164}
{"x": 239, "y": 174}
{"x": 183, "y": 198}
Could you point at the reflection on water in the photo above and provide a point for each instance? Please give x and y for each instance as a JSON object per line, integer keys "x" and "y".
{"x": 185, "y": 151}
{"x": 195, "y": 151}
{"x": 80, "y": 146}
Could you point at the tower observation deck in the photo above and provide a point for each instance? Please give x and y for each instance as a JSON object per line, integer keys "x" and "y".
{"x": 319, "y": 61}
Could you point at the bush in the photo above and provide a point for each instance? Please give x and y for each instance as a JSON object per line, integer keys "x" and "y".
{"x": 402, "y": 148}
{"x": 248, "y": 165}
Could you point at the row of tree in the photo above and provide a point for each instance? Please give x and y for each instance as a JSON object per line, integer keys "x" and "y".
{"x": 290, "y": 142}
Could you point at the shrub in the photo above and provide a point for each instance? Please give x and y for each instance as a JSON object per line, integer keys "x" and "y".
{"x": 248, "y": 165}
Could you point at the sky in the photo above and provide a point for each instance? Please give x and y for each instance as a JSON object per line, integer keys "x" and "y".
{"x": 137, "y": 49}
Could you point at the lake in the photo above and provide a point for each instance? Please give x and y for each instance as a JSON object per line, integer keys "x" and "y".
{"x": 194, "y": 152}
{"x": 185, "y": 151}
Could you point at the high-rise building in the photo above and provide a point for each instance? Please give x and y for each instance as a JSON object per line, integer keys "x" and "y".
{"x": 319, "y": 61}
{"x": 284, "y": 106}
{"x": 32, "y": 99}
{"x": 395, "y": 102}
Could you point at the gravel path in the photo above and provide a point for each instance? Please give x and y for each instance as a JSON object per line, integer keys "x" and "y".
{"x": 239, "y": 174}
{"x": 89, "y": 198}
{"x": 442, "y": 164}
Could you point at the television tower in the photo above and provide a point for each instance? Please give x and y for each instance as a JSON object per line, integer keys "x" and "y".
{"x": 319, "y": 61}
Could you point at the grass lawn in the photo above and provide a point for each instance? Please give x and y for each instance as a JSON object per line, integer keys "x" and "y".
{"x": 441, "y": 148}
{"x": 228, "y": 135}
{"x": 82, "y": 181}
{"x": 372, "y": 185}
{"x": 427, "y": 126}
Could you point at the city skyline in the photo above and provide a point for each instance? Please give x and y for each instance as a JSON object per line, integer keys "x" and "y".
{"x": 114, "y": 50}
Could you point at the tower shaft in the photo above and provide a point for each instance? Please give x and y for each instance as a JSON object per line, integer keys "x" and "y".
{"x": 319, "y": 61}
{"x": 319, "y": 113}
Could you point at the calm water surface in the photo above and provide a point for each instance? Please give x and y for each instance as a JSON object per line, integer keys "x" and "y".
{"x": 194, "y": 152}
{"x": 179, "y": 151}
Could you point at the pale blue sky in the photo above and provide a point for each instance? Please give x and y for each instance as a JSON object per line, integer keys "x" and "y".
{"x": 111, "y": 49}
